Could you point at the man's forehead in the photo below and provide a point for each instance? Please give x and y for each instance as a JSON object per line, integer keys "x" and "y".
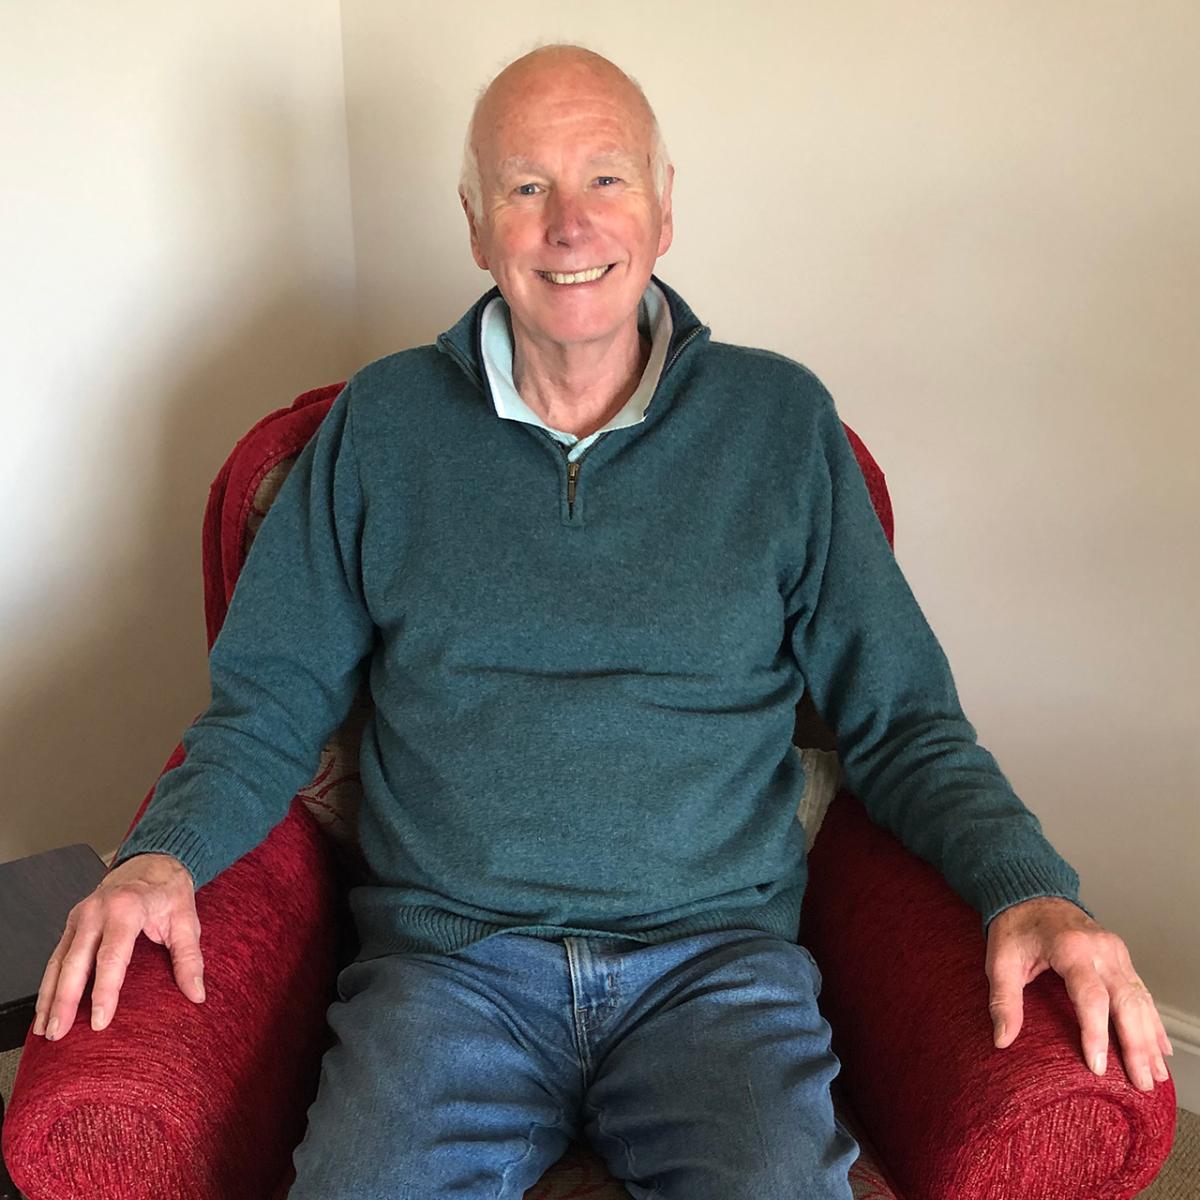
{"x": 519, "y": 162}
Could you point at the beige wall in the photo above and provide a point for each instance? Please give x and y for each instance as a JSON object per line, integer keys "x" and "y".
{"x": 978, "y": 223}
{"x": 177, "y": 259}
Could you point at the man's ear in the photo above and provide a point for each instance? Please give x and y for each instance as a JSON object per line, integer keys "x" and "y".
{"x": 668, "y": 224}
{"x": 476, "y": 249}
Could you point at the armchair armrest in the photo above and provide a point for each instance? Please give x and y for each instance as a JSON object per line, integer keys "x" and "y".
{"x": 906, "y": 994}
{"x": 179, "y": 1099}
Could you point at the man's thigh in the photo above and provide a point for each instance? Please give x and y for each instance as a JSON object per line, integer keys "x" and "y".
{"x": 446, "y": 1080}
{"x": 713, "y": 1083}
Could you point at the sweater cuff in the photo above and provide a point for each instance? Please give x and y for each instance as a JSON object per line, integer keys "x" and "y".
{"x": 1013, "y": 881}
{"x": 180, "y": 842}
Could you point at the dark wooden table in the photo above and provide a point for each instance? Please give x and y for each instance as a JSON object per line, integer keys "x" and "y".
{"x": 36, "y": 893}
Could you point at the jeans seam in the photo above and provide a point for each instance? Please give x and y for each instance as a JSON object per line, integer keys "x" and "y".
{"x": 557, "y": 1123}
{"x": 655, "y": 1194}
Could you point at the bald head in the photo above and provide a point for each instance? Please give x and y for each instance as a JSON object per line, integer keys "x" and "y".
{"x": 540, "y": 75}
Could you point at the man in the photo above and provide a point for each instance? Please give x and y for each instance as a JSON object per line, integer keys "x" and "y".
{"x": 590, "y": 559}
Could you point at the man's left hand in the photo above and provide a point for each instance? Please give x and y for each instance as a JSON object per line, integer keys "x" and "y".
{"x": 1026, "y": 939}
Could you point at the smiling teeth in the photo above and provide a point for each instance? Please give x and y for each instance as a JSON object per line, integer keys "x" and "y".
{"x": 578, "y": 277}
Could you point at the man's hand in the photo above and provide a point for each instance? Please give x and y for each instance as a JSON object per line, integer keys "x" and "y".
{"x": 1022, "y": 941}
{"x": 150, "y": 893}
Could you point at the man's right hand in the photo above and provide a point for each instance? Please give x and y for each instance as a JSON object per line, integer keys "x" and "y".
{"x": 149, "y": 893}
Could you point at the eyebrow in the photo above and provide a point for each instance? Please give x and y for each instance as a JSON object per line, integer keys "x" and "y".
{"x": 516, "y": 163}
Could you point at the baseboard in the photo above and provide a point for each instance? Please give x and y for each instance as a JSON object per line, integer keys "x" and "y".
{"x": 1184, "y": 1031}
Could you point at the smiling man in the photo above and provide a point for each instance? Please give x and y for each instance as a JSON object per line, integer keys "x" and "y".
{"x": 589, "y": 559}
{"x": 567, "y": 192}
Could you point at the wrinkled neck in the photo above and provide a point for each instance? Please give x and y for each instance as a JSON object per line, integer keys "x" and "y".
{"x": 579, "y": 388}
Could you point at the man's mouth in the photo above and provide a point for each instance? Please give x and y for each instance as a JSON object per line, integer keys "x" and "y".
{"x": 588, "y": 276}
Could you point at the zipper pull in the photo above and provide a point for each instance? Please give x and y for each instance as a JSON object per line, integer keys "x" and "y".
{"x": 572, "y": 475}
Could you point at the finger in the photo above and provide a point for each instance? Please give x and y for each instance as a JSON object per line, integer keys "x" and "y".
{"x": 73, "y": 977}
{"x": 183, "y": 941}
{"x": 1144, "y": 1041}
{"x": 1132, "y": 1009}
{"x": 1159, "y": 1068}
{"x": 112, "y": 959}
{"x": 50, "y": 978}
{"x": 1006, "y": 1002}
{"x": 1157, "y": 1037}
{"x": 1090, "y": 999}
{"x": 1160, "y": 1034}
{"x": 1164, "y": 1042}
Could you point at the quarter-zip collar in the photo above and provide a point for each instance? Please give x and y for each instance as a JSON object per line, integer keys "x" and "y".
{"x": 462, "y": 342}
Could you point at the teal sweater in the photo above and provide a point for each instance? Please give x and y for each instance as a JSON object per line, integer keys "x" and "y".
{"x": 585, "y": 674}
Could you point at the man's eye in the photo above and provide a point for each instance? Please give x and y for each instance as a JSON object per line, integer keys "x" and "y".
{"x": 525, "y": 189}
{"x": 607, "y": 179}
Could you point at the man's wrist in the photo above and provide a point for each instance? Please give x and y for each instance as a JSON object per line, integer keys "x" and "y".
{"x": 168, "y": 860}
{"x": 1032, "y": 903}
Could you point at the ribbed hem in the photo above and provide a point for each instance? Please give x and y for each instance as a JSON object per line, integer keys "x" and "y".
{"x": 187, "y": 845}
{"x": 425, "y": 929}
{"x": 1011, "y": 881}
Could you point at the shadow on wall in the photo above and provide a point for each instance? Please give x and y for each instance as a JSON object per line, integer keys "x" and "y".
{"x": 109, "y": 690}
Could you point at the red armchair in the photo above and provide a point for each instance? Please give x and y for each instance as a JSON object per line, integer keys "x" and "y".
{"x": 177, "y": 1101}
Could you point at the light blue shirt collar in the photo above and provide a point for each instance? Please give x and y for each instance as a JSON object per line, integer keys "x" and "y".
{"x": 654, "y": 321}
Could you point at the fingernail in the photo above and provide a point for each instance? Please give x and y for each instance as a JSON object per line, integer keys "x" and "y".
{"x": 998, "y": 1032}
{"x": 1170, "y": 1050}
{"x": 52, "y": 1028}
{"x": 39, "y": 1025}
{"x": 199, "y": 984}
{"x": 1160, "y": 1073}
{"x": 1098, "y": 1063}
{"x": 97, "y": 1018}
{"x": 1145, "y": 1083}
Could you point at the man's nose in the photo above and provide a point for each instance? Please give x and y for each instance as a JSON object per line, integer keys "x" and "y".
{"x": 567, "y": 218}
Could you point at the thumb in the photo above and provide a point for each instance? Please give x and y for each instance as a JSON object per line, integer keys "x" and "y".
{"x": 1006, "y": 1004}
{"x": 186, "y": 959}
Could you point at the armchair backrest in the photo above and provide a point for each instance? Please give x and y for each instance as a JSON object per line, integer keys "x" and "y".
{"x": 238, "y": 501}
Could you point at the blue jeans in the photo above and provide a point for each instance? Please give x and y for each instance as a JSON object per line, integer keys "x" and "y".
{"x": 698, "y": 1069}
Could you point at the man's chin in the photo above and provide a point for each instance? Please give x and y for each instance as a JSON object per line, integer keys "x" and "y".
{"x": 571, "y": 323}
{"x": 576, "y": 332}
{"x": 575, "y": 320}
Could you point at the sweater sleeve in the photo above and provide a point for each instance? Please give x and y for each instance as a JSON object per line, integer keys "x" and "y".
{"x": 882, "y": 683}
{"x": 285, "y": 667}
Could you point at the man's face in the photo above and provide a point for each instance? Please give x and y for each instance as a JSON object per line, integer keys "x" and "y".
{"x": 564, "y": 160}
